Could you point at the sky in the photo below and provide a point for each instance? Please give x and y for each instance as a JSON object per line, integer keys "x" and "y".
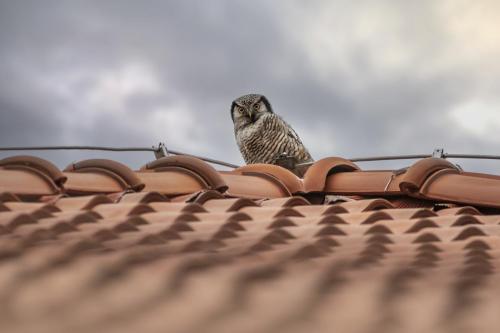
{"x": 354, "y": 78}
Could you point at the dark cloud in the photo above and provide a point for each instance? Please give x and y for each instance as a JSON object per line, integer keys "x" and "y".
{"x": 353, "y": 79}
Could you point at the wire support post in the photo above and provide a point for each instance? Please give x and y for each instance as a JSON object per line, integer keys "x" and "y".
{"x": 438, "y": 153}
{"x": 161, "y": 150}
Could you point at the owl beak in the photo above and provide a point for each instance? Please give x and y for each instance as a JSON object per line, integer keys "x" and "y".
{"x": 252, "y": 116}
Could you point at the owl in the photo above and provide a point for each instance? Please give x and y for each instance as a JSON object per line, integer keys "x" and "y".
{"x": 262, "y": 136}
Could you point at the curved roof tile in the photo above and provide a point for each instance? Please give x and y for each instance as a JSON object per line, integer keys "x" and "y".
{"x": 210, "y": 176}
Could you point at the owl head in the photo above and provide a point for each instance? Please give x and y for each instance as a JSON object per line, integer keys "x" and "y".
{"x": 247, "y": 109}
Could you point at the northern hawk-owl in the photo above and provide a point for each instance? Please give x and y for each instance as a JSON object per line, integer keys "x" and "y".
{"x": 262, "y": 136}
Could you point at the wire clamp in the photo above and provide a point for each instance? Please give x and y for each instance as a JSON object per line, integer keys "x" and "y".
{"x": 438, "y": 153}
{"x": 161, "y": 150}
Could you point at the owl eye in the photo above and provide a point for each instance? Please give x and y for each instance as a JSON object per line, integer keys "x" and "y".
{"x": 256, "y": 107}
{"x": 240, "y": 109}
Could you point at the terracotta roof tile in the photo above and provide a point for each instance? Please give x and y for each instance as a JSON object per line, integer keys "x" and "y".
{"x": 177, "y": 207}
{"x": 122, "y": 209}
{"x": 81, "y": 203}
{"x": 228, "y": 205}
{"x": 143, "y": 197}
{"x": 100, "y": 247}
{"x": 7, "y": 196}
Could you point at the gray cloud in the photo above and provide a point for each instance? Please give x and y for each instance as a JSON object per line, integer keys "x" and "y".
{"x": 354, "y": 79}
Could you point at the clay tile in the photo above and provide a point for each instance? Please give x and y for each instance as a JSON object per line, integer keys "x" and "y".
{"x": 143, "y": 197}
{"x": 422, "y": 224}
{"x": 4, "y": 208}
{"x": 188, "y": 197}
{"x": 330, "y": 230}
{"x": 427, "y": 256}
{"x": 238, "y": 217}
{"x": 478, "y": 254}
{"x": 12, "y": 220}
{"x": 277, "y": 236}
{"x": 282, "y": 222}
{"x": 260, "y": 246}
{"x": 234, "y": 226}
{"x": 288, "y": 212}
{"x": 137, "y": 220}
{"x": 409, "y": 213}
{"x": 63, "y": 227}
{"x": 36, "y": 163}
{"x": 426, "y": 238}
{"x": 225, "y": 233}
{"x": 375, "y": 248}
{"x": 477, "y": 245}
{"x": 27, "y": 182}
{"x": 327, "y": 242}
{"x": 465, "y": 220}
{"x": 177, "y": 207}
{"x": 379, "y": 239}
{"x": 365, "y": 205}
{"x": 263, "y": 213}
{"x": 378, "y": 229}
{"x": 204, "y": 196}
{"x": 81, "y": 203}
{"x": 332, "y": 219}
{"x": 469, "y": 232}
{"x": 459, "y": 211}
{"x": 104, "y": 235}
{"x": 151, "y": 240}
{"x": 308, "y": 252}
{"x": 115, "y": 210}
{"x": 169, "y": 217}
{"x": 254, "y": 185}
{"x": 77, "y": 218}
{"x": 428, "y": 247}
{"x": 376, "y": 216}
{"x": 292, "y": 182}
{"x": 286, "y": 202}
{"x": 82, "y": 246}
{"x": 423, "y": 263}
{"x": 116, "y": 170}
{"x": 181, "y": 227}
{"x": 208, "y": 174}
{"x": 8, "y": 197}
{"x": 4, "y": 230}
{"x": 366, "y": 260}
{"x": 315, "y": 177}
{"x": 475, "y": 270}
{"x": 228, "y": 205}
{"x": 31, "y": 206}
{"x": 418, "y": 173}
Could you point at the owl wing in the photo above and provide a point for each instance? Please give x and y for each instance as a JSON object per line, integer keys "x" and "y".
{"x": 278, "y": 126}
{"x": 292, "y": 134}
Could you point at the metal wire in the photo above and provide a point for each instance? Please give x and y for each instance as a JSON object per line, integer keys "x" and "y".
{"x": 417, "y": 156}
{"x": 101, "y": 148}
{"x": 410, "y": 157}
{"x": 230, "y": 165}
{"x": 388, "y": 158}
{"x": 78, "y": 148}
{"x": 481, "y": 157}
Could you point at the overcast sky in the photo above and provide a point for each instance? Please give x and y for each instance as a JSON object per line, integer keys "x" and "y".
{"x": 354, "y": 78}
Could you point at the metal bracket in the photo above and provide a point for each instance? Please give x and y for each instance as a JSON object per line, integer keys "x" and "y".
{"x": 161, "y": 150}
{"x": 286, "y": 161}
{"x": 438, "y": 153}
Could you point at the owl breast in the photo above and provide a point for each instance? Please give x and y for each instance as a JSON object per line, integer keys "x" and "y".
{"x": 266, "y": 139}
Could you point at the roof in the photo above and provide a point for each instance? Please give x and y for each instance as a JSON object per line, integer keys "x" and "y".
{"x": 180, "y": 247}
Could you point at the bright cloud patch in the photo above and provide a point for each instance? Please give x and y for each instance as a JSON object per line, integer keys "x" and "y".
{"x": 478, "y": 118}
